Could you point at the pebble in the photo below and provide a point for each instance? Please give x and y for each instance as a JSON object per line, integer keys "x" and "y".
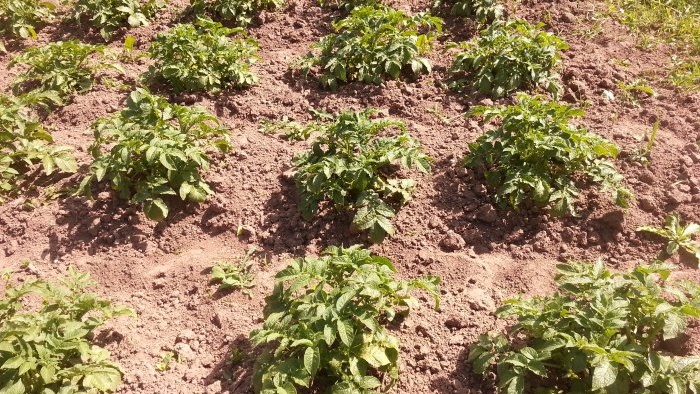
{"x": 452, "y": 241}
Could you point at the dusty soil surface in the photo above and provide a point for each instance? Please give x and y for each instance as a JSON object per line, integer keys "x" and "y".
{"x": 449, "y": 229}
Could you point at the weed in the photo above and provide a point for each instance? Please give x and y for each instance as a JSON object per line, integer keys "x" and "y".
{"x": 110, "y": 15}
{"x": 643, "y": 154}
{"x": 166, "y": 361}
{"x": 373, "y": 43}
{"x": 156, "y": 149}
{"x": 634, "y": 92}
{"x": 600, "y": 333}
{"x": 350, "y": 165}
{"x": 25, "y": 143}
{"x": 62, "y": 67}
{"x": 536, "y": 154}
{"x": 238, "y": 276}
{"x": 293, "y": 131}
{"x": 325, "y": 323}
{"x": 686, "y": 75}
{"x": 201, "y": 57}
{"x": 508, "y": 56}
{"x": 45, "y": 349}
{"x": 678, "y": 235}
{"x": 240, "y": 12}
{"x": 674, "y": 21}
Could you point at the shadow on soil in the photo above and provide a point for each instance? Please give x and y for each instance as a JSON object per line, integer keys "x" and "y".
{"x": 286, "y": 229}
{"x": 467, "y": 208}
{"x": 235, "y": 370}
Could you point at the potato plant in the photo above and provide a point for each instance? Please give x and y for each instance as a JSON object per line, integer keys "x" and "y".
{"x": 600, "y": 333}
{"x": 480, "y": 10}
{"x": 110, "y": 15}
{"x": 63, "y": 68}
{"x": 153, "y": 150}
{"x": 373, "y": 43}
{"x": 508, "y": 56}
{"x": 202, "y": 57}
{"x": 44, "y": 338}
{"x": 21, "y": 18}
{"x": 325, "y": 324}
{"x": 25, "y": 144}
{"x": 352, "y": 165}
{"x": 239, "y": 12}
{"x": 537, "y": 154}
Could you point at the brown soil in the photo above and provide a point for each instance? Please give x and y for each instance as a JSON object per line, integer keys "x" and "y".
{"x": 448, "y": 229}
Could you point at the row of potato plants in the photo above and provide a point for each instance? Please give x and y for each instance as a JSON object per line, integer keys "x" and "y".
{"x": 373, "y": 41}
{"x": 20, "y": 19}
{"x": 326, "y": 328}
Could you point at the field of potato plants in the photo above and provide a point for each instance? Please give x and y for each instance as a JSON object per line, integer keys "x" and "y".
{"x": 349, "y": 196}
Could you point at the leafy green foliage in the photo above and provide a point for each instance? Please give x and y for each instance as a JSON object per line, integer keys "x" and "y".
{"x": 202, "y": 57}
{"x": 156, "y": 149}
{"x": 481, "y": 10}
{"x": 62, "y": 67}
{"x": 238, "y": 276}
{"x": 350, "y": 165}
{"x": 673, "y": 21}
{"x": 600, "y": 333}
{"x": 678, "y": 235}
{"x": 634, "y": 92}
{"x": 292, "y": 130}
{"x": 166, "y": 361}
{"x": 536, "y": 154}
{"x": 346, "y": 5}
{"x": 44, "y": 346}
{"x": 374, "y": 42}
{"x": 21, "y": 17}
{"x": 686, "y": 75}
{"x": 508, "y": 56}
{"x": 24, "y": 143}
{"x": 110, "y": 15}
{"x": 240, "y": 12}
{"x": 325, "y": 323}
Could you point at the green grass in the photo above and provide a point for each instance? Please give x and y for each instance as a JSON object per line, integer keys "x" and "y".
{"x": 673, "y": 21}
{"x": 685, "y": 75}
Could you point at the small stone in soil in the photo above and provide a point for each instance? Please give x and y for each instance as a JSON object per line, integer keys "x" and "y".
{"x": 452, "y": 241}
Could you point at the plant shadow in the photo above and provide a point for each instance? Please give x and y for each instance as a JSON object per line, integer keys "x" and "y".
{"x": 286, "y": 229}
{"x": 235, "y": 370}
{"x": 466, "y": 202}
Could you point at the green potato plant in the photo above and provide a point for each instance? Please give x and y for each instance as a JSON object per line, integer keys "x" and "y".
{"x": 599, "y": 333}
{"x": 325, "y": 324}
{"x": 44, "y": 338}
{"x": 480, "y": 10}
{"x": 373, "y": 43}
{"x": 154, "y": 150}
{"x": 350, "y": 165}
{"x": 239, "y": 12}
{"x": 21, "y": 18}
{"x": 202, "y": 57}
{"x": 110, "y": 15}
{"x": 537, "y": 154}
{"x": 508, "y": 56}
{"x": 26, "y": 144}
{"x": 678, "y": 235}
{"x": 63, "y": 67}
